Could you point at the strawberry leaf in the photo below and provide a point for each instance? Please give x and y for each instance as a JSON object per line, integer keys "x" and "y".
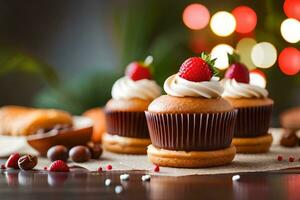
{"x": 211, "y": 62}
{"x": 233, "y": 58}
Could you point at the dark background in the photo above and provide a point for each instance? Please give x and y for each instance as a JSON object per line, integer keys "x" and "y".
{"x": 68, "y": 53}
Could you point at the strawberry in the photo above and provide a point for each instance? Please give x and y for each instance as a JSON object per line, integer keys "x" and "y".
{"x": 139, "y": 70}
{"x": 12, "y": 161}
{"x": 198, "y": 69}
{"x": 59, "y": 166}
{"x": 237, "y": 70}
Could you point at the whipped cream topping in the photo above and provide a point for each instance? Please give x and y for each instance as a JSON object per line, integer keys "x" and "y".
{"x": 179, "y": 87}
{"x": 125, "y": 88}
{"x": 236, "y": 89}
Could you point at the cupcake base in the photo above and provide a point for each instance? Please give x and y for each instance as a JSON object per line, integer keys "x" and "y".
{"x": 259, "y": 144}
{"x": 125, "y": 145}
{"x": 192, "y": 159}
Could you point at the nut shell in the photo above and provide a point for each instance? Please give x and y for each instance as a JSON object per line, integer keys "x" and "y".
{"x": 27, "y": 162}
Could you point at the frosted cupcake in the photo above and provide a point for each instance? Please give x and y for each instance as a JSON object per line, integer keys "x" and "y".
{"x": 127, "y": 130}
{"x": 254, "y": 110}
{"x": 191, "y": 126}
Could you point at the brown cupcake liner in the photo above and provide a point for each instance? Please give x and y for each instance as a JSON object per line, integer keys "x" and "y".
{"x": 253, "y": 121}
{"x": 191, "y": 131}
{"x": 126, "y": 124}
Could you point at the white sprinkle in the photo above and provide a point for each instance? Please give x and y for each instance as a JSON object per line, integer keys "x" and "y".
{"x": 107, "y": 182}
{"x": 124, "y": 177}
{"x": 236, "y": 177}
{"x": 118, "y": 189}
{"x": 146, "y": 177}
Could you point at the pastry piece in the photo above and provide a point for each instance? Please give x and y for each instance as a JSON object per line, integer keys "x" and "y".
{"x": 290, "y": 122}
{"x": 191, "y": 126}
{"x": 253, "y": 106}
{"x": 126, "y": 126}
{"x": 98, "y": 117}
{"x": 23, "y": 121}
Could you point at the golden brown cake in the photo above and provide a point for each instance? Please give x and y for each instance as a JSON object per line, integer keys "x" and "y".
{"x": 191, "y": 126}
{"x": 254, "y": 110}
{"x": 127, "y": 130}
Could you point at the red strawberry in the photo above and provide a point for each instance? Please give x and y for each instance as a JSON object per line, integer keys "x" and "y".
{"x": 137, "y": 71}
{"x": 12, "y": 161}
{"x": 59, "y": 166}
{"x": 237, "y": 70}
{"x": 156, "y": 168}
{"x": 197, "y": 69}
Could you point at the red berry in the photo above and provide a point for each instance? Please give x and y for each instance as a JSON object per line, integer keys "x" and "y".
{"x": 3, "y": 167}
{"x": 59, "y": 166}
{"x": 291, "y": 159}
{"x": 195, "y": 69}
{"x": 46, "y": 168}
{"x": 12, "y": 161}
{"x": 100, "y": 169}
{"x": 279, "y": 158}
{"x": 109, "y": 167}
{"x": 156, "y": 168}
{"x": 137, "y": 71}
{"x": 239, "y": 72}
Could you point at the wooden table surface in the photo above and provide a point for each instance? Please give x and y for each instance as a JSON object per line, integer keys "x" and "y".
{"x": 83, "y": 184}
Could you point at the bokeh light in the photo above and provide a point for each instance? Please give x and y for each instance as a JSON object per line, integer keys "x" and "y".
{"x": 220, "y": 52}
{"x": 223, "y": 23}
{"x": 258, "y": 78}
{"x": 195, "y": 16}
{"x": 246, "y": 19}
{"x": 289, "y": 61}
{"x": 264, "y": 55}
{"x": 244, "y": 48}
{"x": 292, "y": 8}
{"x": 290, "y": 30}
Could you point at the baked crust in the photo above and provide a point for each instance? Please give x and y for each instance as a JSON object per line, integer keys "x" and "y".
{"x": 259, "y": 144}
{"x": 125, "y": 145}
{"x": 192, "y": 159}
{"x": 23, "y": 121}
{"x": 250, "y": 102}
{"x": 291, "y": 118}
{"x": 170, "y": 104}
{"x": 98, "y": 117}
{"x": 133, "y": 105}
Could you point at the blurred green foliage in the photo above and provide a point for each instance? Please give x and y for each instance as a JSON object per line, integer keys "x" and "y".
{"x": 14, "y": 60}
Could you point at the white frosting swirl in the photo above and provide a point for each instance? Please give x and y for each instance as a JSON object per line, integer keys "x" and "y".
{"x": 125, "y": 88}
{"x": 234, "y": 89}
{"x": 179, "y": 87}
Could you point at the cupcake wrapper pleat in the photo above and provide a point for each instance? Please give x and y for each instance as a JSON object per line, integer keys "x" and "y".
{"x": 127, "y": 124}
{"x": 191, "y": 131}
{"x": 253, "y": 121}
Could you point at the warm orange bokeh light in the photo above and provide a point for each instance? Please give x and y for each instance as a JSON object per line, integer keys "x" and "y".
{"x": 246, "y": 19}
{"x": 289, "y": 61}
{"x": 196, "y": 16}
{"x": 292, "y": 8}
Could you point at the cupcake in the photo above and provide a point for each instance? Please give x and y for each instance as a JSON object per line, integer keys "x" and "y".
{"x": 192, "y": 126}
{"x": 254, "y": 110}
{"x": 126, "y": 126}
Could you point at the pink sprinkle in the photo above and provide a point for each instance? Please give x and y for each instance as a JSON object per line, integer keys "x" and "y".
{"x": 109, "y": 167}
{"x": 291, "y": 159}
{"x": 100, "y": 169}
{"x": 156, "y": 168}
{"x": 3, "y": 167}
{"x": 279, "y": 158}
